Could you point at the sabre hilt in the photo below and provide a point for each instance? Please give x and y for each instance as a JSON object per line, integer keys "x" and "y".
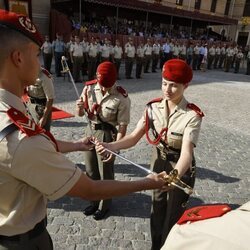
{"x": 173, "y": 179}
{"x": 65, "y": 67}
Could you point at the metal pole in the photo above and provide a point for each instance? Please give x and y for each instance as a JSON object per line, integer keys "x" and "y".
{"x": 146, "y": 29}
{"x": 80, "y": 12}
{"x": 171, "y": 21}
{"x": 117, "y": 14}
{"x": 208, "y": 30}
{"x": 191, "y": 27}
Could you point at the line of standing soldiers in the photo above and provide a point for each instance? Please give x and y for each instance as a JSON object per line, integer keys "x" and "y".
{"x": 86, "y": 56}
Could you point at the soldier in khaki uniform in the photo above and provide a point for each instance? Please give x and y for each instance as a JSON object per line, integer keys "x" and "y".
{"x": 155, "y": 55}
{"x": 148, "y": 51}
{"x": 139, "y": 60}
{"x": 129, "y": 57}
{"x": 107, "y": 106}
{"x": 175, "y": 124}
{"x": 117, "y": 54}
{"x": 229, "y": 58}
{"x": 229, "y": 230}
{"x": 76, "y": 55}
{"x": 92, "y": 52}
{"x": 33, "y": 168}
{"x": 41, "y": 97}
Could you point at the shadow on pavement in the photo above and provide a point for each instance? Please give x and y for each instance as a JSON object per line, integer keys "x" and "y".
{"x": 204, "y": 173}
{"x": 67, "y": 123}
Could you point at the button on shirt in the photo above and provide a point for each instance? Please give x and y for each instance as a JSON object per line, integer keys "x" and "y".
{"x": 31, "y": 172}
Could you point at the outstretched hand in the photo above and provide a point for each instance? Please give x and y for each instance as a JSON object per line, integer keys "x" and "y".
{"x": 158, "y": 181}
{"x": 101, "y": 149}
{"x": 85, "y": 144}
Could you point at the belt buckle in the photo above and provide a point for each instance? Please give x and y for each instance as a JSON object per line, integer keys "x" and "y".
{"x": 93, "y": 126}
{"x": 163, "y": 155}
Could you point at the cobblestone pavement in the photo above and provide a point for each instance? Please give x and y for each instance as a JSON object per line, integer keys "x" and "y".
{"x": 223, "y": 161}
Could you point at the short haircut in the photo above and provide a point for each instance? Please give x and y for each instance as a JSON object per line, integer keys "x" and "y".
{"x": 9, "y": 40}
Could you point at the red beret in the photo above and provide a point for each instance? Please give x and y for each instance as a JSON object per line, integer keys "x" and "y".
{"x": 178, "y": 71}
{"x": 22, "y": 24}
{"x": 106, "y": 74}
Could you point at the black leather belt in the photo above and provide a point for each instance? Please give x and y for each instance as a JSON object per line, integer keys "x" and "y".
{"x": 169, "y": 156}
{"x": 101, "y": 126}
{"x": 36, "y": 231}
{"x": 38, "y": 101}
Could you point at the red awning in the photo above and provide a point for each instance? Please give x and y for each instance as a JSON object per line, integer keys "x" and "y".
{"x": 165, "y": 10}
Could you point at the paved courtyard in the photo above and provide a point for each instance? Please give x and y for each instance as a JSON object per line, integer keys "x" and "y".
{"x": 223, "y": 161}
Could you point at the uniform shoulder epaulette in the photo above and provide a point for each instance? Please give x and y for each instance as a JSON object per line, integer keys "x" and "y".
{"x": 46, "y": 72}
{"x": 92, "y": 82}
{"x": 155, "y": 100}
{"x": 196, "y": 109}
{"x": 26, "y": 125}
{"x": 122, "y": 91}
{"x": 203, "y": 212}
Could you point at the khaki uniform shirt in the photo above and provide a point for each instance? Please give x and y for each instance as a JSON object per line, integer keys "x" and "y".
{"x": 148, "y": 49}
{"x": 211, "y": 51}
{"x": 229, "y": 232}
{"x": 43, "y": 88}
{"x": 196, "y": 50}
{"x": 92, "y": 50}
{"x": 140, "y": 52}
{"x": 47, "y": 47}
{"x": 115, "y": 108}
{"x": 31, "y": 171}
{"x": 183, "y": 50}
{"x": 156, "y": 49}
{"x": 84, "y": 46}
{"x": 130, "y": 50}
{"x": 217, "y": 51}
{"x": 105, "y": 51}
{"x": 230, "y": 52}
{"x": 176, "y": 50}
{"x": 117, "y": 51}
{"x": 183, "y": 124}
{"x": 76, "y": 49}
{"x": 223, "y": 51}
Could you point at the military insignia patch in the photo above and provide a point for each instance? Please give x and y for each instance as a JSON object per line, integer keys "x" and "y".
{"x": 27, "y": 24}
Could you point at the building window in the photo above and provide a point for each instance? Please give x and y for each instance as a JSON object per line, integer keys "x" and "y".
{"x": 247, "y": 8}
{"x": 213, "y": 6}
{"x": 227, "y": 7}
{"x": 197, "y": 4}
{"x": 179, "y": 2}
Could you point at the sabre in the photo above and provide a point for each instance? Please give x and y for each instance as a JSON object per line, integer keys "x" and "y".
{"x": 171, "y": 179}
{"x": 66, "y": 69}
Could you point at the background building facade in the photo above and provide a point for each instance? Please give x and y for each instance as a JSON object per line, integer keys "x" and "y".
{"x": 230, "y": 18}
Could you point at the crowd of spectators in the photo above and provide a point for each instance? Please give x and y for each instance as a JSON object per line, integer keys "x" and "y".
{"x": 109, "y": 25}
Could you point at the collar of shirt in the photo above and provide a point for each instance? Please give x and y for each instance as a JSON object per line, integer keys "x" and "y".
{"x": 12, "y": 100}
{"x": 109, "y": 91}
{"x": 181, "y": 107}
